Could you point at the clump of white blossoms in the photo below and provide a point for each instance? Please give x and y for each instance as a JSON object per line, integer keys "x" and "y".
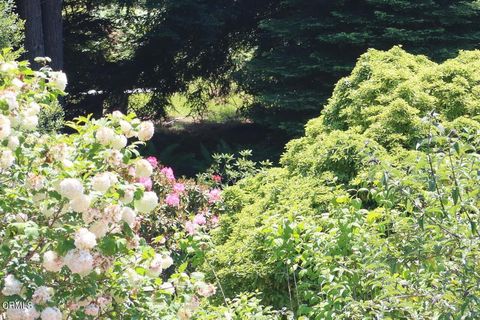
{"x": 146, "y": 131}
{"x": 42, "y": 295}
{"x": 79, "y": 261}
{"x": 71, "y": 188}
{"x": 11, "y": 286}
{"x": 147, "y": 202}
{"x": 50, "y": 313}
{"x": 72, "y": 206}
{"x": 52, "y": 262}
{"x": 143, "y": 169}
{"x": 84, "y": 239}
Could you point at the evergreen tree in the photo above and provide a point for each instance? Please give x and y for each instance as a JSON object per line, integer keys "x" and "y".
{"x": 307, "y": 45}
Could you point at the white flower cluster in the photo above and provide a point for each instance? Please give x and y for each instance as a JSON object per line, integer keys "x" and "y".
{"x": 81, "y": 190}
{"x": 11, "y": 286}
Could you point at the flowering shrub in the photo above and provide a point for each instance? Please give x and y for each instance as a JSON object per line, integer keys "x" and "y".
{"x": 71, "y": 207}
{"x": 187, "y": 211}
{"x": 374, "y": 212}
{"x": 227, "y": 169}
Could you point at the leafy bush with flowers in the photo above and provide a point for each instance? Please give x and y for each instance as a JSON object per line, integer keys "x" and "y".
{"x": 227, "y": 169}
{"x": 187, "y": 211}
{"x": 71, "y": 209}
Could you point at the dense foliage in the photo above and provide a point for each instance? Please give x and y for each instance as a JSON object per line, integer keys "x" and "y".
{"x": 11, "y": 28}
{"x": 306, "y": 46}
{"x": 374, "y": 212}
{"x": 71, "y": 208}
{"x": 160, "y": 46}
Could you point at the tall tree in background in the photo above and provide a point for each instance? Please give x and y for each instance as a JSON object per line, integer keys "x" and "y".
{"x": 43, "y": 29}
{"x": 114, "y": 47}
{"x": 307, "y": 45}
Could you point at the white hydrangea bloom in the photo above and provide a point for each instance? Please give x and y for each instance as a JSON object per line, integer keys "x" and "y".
{"x": 84, "y": 239}
{"x": 59, "y": 80}
{"x": 51, "y": 314}
{"x": 128, "y": 195}
{"x": 13, "y": 142}
{"x": 119, "y": 142}
{"x": 29, "y": 123}
{"x": 117, "y": 115}
{"x": 7, "y": 159}
{"x": 11, "y": 286}
{"x": 52, "y": 262}
{"x": 5, "y": 127}
{"x": 79, "y": 261}
{"x": 127, "y": 129}
{"x": 8, "y": 66}
{"x": 22, "y": 313}
{"x": 11, "y": 99}
{"x": 99, "y": 229}
{"x": 146, "y": 130}
{"x": 112, "y": 213}
{"x": 33, "y": 109}
{"x": 42, "y": 295}
{"x": 81, "y": 203}
{"x": 71, "y": 188}
{"x": 147, "y": 203}
{"x": 104, "y": 136}
{"x": 143, "y": 169}
{"x": 129, "y": 216}
{"x": 101, "y": 182}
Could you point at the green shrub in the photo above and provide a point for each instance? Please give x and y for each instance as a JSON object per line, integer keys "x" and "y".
{"x": 11, "y": 27}
{"x": 374, "y": 212}
{"x": 388, "y": 93}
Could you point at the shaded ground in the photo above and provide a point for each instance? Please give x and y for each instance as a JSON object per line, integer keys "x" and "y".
{"x": 187, "y": 146}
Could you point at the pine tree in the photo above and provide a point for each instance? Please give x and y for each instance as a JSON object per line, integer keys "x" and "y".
{"x": 307, "y": 45}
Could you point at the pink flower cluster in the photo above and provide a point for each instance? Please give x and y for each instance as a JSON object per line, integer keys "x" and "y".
{"x": 173, "y": 199}
{"x": 153, "y": 161}
{"x": 198, "y": 221}
{"x": 214, "y": 195}
{"x": 168, "y": 172}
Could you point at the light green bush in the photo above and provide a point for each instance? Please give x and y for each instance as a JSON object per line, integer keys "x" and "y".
{"x": 374, "y": 212}
{"x": 11, "y": 27}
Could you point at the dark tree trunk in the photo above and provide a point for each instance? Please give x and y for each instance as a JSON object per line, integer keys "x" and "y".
{"x": 31, "y": 12}
{"x": 53, "y": 31}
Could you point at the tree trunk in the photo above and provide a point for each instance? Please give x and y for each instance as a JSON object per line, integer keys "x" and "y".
{"x": 31, "y": 12}
{"x": 53, "y": 31}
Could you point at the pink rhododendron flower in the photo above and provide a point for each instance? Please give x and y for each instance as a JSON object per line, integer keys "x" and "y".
{"x": 217, "y": 178}
{"x": 199, "y": 219}
{"x": 168, "y": 172}
{"x": 172, "y": 200}
{"x": 178, "y": 187}
{"x": 215, "y": 220}
{"x": 191, "y": 227}
{"x": 214, "y": 195}
{"x": 147, "y": 183}
{"x": 131, "y": 171}
{"x": 153, "y": 161}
